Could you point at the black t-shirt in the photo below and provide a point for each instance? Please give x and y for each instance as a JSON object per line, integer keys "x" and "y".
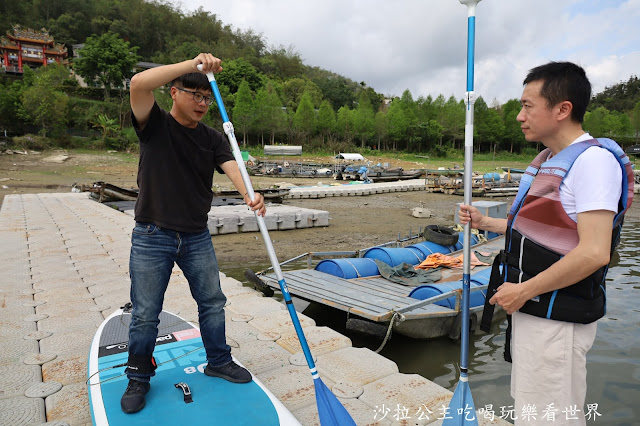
{"x": 175, "y": 171}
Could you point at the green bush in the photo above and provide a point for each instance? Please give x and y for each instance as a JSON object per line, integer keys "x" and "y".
{"x": 124, "y": 140}
{"x": 84, "y": 112}
{"x": 33, "y": 142}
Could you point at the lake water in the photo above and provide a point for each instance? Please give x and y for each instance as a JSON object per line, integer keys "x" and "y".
{"x": 613, "y": 363}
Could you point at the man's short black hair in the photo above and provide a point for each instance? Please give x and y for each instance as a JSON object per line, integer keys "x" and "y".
{"x": 563, "y": 81}
{"x": 194, "y": 80}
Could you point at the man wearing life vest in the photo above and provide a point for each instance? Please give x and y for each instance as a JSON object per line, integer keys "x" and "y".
{"x": 559, "y": 237}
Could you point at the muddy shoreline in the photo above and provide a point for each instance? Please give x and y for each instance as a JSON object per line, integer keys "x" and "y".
{"x": 355, "y": 222}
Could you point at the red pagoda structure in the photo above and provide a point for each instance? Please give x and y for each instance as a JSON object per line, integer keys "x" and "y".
{"x": 31, "y": 48}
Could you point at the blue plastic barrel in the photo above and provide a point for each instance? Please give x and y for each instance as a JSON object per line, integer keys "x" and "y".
{"x": 491, "y": 177}
{"x": 476, "y": 298}
{"x": 349, "y": 268}
{"x": 428, "y": 248}
{"x": 459, "y": 244}
{"x": 396, "y": 256}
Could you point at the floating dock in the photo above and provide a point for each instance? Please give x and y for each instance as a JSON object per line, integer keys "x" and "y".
{"x": 353, "y": 190}
{"x": 238, "y": 218}
{"x": 64, "y": 260}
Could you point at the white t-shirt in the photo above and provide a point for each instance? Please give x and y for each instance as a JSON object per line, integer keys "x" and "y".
{"x": 594, "y": 182}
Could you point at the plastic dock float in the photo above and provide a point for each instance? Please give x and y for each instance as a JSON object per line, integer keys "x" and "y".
{"x": 64, "y": 260}
{"x": 235, "y": 219}
{"x": 354, "y": 190}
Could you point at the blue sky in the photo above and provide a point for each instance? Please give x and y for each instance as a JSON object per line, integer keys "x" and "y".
{"x": 420, "y": 45}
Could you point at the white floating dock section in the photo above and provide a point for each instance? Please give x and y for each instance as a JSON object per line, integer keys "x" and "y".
{"x": 234, "y": 219}
{"x": 354, "y": 190}
{"x": 65, "y": 261}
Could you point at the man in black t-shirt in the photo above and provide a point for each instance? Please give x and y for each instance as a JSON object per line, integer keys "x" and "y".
{"x": 178, "y": 155}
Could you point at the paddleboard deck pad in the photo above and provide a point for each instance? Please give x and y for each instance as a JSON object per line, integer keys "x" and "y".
{"x": 181, "y": 358}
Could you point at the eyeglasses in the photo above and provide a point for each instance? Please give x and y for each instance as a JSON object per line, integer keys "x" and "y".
{"x": 197, "y": 97}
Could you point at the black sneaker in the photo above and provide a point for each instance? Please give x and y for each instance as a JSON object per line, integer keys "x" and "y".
{"x": 231, "y": 372}
{"x": 133, "y": 399}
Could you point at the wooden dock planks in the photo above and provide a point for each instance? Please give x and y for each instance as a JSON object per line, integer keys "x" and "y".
{"x": 374, "y": 298}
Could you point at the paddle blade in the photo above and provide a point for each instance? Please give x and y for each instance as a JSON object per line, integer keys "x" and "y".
{"x": 462, "y": 411}
{"x": 330, "y": 410}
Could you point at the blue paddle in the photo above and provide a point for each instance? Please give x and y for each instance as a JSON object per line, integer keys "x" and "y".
{"x": 461, "y": 408}
{"x": 330, "y": 410}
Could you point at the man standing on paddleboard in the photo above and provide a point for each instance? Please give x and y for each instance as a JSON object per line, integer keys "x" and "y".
{"x": 560, "y": 234}
{"x": 178, "y": 156}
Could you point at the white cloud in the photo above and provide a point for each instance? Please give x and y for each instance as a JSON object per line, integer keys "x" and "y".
{"x": 420, "y": 45}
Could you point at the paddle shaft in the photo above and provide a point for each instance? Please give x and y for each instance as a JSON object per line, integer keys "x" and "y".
{"x": 468, "y": 185}
{"x": 228, "y": 129}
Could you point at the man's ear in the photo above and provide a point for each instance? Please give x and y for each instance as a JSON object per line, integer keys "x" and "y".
{"x": 564, "y": 110}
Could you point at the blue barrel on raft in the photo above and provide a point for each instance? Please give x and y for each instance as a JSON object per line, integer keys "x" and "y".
{"x": 395, "y": 256}
{"x": 349, "y": 268}
{"x": 459, "y": 245}
{"x": 492, "y": 235}
{"x": 491, "y": 177}
{"x": 427, "y": 248}
{"x": 476, "y": 298}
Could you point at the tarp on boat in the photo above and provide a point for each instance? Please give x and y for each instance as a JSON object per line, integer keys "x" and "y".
{"x": 282, "y": 150}
{"x": 350, "y": 157}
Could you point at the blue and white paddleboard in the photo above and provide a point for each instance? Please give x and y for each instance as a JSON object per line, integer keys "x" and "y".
{"x": 214, "y": 400}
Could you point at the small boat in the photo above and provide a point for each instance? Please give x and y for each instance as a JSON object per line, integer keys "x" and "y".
{"x": 356, "y": 286}
{"x": 513, "y": 170}
{"x": 378, "y": 173}
{"x": 293, "y": 169}
{"x": 403, "y": 175}
{"x": 272, "y": 195}
{"x": 445, "y": 172}
{"x": 106, "y": 192}
{"x": 633, "y": 150}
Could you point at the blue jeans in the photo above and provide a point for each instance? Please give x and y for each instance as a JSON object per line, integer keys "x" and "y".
{"x": 154, "y": 250}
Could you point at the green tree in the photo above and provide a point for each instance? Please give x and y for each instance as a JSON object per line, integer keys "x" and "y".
{"x": 344, "y": 123}
{"x": 44, "y": 105}
{"x": 269, "y": 115}
{"x": 635, "y": 120}
{"x": 512, "y": 131}
{"x": 243, "y": 110}
{"x": 594, "y": 121}
{"x": 295, "y": 88}
{"x": 398, "y": 123}
{"x": 238, "y": 70}
{"x": 326, "y": 120}
{"x": 453, "y": 119}
{"x": 338, "y": 90}
{"x": 304, "y": 120}
{"x": 488, "y": 125}
{"x": 617, "y": 126}
{"x": 381, "y": 126}
{"x": 363, "y": 119}
{"x": 283, "y": 63}
{"x": 402, "y": 116}
{"x": 106, "y": 60}
{"x": 10, "y": 104}
{"x": 262, "y": 113}
{"x": 429, "y": 132}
